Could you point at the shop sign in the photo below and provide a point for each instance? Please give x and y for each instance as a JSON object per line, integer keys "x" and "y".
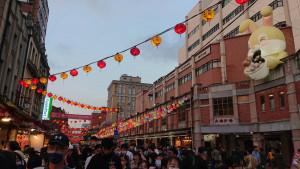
{"x": 223, "y": 121}
{"x": 202, "y": 54}
{"x": 47, "y": 108}
{"x": 185, "y": 66}
{"x": 170, "y": 76}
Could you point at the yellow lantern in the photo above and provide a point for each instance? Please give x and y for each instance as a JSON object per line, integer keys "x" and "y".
{"x": 64, "y": 100}
{"x": 79, "y": 105}
{"x": 87, "y": 68}
{"x": 72, "y": 103}
{"x": 54, "y": 97}
{"x": 33, "y": 87}
{"x": 85, "y": 106}
{"x": 156, "y": 40}
{"x": 43, "y": 80}
{"x": 118, "y": 57}
{"x": 208, "y": 15}
{"x": 44, "y": 93}
{"x": 64, "y": 75}
{"x": 27, "y": 81}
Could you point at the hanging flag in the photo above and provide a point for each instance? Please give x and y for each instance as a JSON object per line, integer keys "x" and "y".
{"x": 47, "y": 108}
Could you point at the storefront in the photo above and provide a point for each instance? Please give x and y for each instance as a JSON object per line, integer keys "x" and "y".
{"x": 185, "y": 142}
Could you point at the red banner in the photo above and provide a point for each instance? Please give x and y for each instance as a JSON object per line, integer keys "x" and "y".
{"x": 70, "y": 116}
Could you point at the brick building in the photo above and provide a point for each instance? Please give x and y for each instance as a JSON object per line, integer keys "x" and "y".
{"x": 238, "y": 113}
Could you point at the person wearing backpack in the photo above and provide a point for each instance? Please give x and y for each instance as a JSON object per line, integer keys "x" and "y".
{"x": 271, "y": 158}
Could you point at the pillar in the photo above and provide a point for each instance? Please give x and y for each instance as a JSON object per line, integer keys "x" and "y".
{"x": 222, "y": 47}
{"x": 197, "y": 136}
{"x": 231, "y": 143}
{"x": 292, "y": 101}
{"x": 258, "y": 140}
{"x": 176, "y": 82}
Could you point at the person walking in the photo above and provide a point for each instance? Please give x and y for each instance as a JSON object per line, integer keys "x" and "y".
{"x": 251, "y": 161}
{"x": 106, "y": 159}
{"x": 58, "y": 147}
{"x": 271, "y": 158}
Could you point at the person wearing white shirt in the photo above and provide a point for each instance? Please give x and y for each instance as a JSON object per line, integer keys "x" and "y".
{"x": 96, "y": 150}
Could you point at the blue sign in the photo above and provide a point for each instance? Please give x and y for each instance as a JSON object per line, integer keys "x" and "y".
{"x": 116, "y": 134}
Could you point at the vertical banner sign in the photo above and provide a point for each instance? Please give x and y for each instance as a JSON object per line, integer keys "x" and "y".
{"x": 47, "y": 108}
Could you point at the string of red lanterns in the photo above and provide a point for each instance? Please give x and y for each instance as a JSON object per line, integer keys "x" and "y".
{"x": 134, "y": 51}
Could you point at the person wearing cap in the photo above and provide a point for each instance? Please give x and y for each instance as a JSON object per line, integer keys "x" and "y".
{"x": 58, "y": 147}
{"x": 106, "y": 159}
{"x": 202, "y": 153}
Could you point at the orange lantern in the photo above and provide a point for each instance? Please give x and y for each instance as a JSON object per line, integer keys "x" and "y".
{"x": 64, "y": 75}
{"x": 208, "y": 15}
{"x": 27, "y": 81}
{"x": 156, "y": 40}
{"x": 87, "y": 68}
{"x": 44, "y": 93}
{"x": 43, "y": 80}
{"x": 118, "y": 57}
{"x": 64, "y": 100}
{"x": 33, "y": 87}
{"x": 54, "y": 97}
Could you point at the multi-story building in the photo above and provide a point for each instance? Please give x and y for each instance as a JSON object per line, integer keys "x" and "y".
{"x": 37, "y": 10}
{"x": 121, "y": 95}
{"x": 235, "y": 114}
{"x": 200, "y": 33}
{"x": 19, "y": 38}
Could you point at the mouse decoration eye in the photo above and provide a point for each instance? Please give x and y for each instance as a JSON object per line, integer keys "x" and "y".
{"x": 262, "y": 37}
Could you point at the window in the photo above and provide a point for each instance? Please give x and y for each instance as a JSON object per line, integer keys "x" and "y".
{"x": 280, "y": 24}
{"x": 281, "y": 99}
{"x": 256, "y": 16}
{"x": 210, "y": 32}
{"x": 250, "y": 2}
{"x": 232, "y": 14}
{"x": 223, "y": 106}
{"x": 159, "y": 93}
{"x": 123, "y": 89}
{"x": 181, "y": 115}
{"x": 207, "y": 66}
{"x": 216, "y": 10}
{"x": 170, "y": 87}
{"x": 193, "y": 31}
{"x": 204, "y": 102}
{"x": 272, "y": 104}
{"x": 232, "y": 33}
{"x": 164, "y": 120}
{"x": 194, "y": 45}
{"x": 119, "y": 89}
{"x": 185, "y": 79}
{"x": 150, "y": 97}
{"x": 275, "y": 4}
{"x": 129, "y": 90}
{"x": 225, "y": 2}
{"x": 262, "y": 103}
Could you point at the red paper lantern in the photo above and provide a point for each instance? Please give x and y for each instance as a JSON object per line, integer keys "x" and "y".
{"x": 60, "y": 98}
{"x": 21, "y": 82}
{"x": 89, "y": 107}
{"x": 101, "y": 64}
{"x": 135, "y": 51}
{"x": 39, "y": 90}
{"x": 82, "y": 105}
{"x": 35, "y": 81}
{"x": 52, "y": 78}
{"x": 26, "y": 85}
{"x": 75, "y": 122}
{"x": 50, "y": 95}
{"x": 105, "y": 115}
{"x": 241, "y": 2}
{"x": 75, "y": 103}
{"x": 73, "y": 72}
{"x": 68, "y": 101}
{"x": 180, "y": 28}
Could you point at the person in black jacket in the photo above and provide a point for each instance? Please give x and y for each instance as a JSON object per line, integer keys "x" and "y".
{"x": 106, "y": 159}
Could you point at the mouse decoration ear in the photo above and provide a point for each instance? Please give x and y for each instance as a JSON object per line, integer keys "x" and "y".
{"x": 267, "y": 16}
{"x": 248, "y": 25}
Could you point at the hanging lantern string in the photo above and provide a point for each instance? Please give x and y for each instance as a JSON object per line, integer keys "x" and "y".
{"x": 149, "y": 39}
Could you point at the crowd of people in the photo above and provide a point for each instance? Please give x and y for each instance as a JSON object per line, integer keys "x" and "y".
{"x": 59, "y": 154}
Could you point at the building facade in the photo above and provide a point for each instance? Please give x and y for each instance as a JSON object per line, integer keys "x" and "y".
{"x": 121, "y": 95}
{"x": 38, "y": 11}
{"x": 237, "y": 114}
{"x": 19, "y": 37}
{"x": 200, "y": 33}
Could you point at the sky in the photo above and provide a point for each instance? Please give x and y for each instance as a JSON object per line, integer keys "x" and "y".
{"x": 83, "y": 31}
